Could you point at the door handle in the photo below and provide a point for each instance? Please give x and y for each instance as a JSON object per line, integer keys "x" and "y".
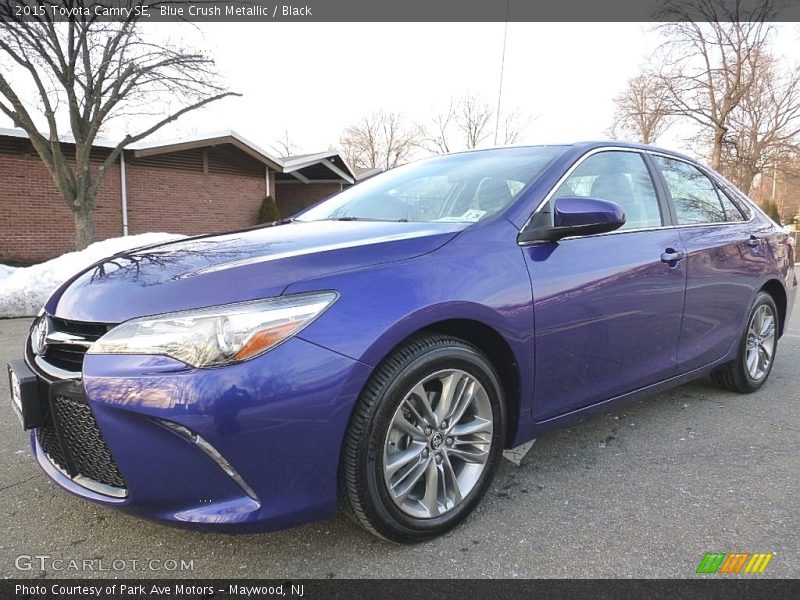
{"x": 672, "y": 256}
{"x": 753, "y": 241}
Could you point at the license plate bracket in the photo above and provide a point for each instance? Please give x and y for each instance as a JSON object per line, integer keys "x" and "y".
{"x": 25, "y": 398}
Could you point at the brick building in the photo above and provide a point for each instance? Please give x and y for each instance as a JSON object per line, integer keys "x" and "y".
{"x": 196, "y": 185}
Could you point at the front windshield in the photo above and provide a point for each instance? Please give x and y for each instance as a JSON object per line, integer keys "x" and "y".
{"x": 462, "y": 188}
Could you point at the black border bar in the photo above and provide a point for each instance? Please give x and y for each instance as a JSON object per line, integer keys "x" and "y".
{"x": 708, "y": 588}
{"x": 333, "y": 11}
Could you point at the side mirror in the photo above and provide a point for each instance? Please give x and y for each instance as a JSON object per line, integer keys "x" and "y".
{"x": 577, "y": 216}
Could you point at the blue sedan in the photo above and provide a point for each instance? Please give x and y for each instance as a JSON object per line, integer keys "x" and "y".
{"x": 380, "y": 350}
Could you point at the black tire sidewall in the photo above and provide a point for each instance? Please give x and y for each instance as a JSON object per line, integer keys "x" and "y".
{"x": 404, "y": 527}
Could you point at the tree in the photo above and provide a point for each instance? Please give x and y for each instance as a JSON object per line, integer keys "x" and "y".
{"x": 764, "y": 130}
{"x": 772, "y": 210}
{"x": 473, "y": 118}
{"x": 87, "y": 72}
{"x": 380, "y": 140}
{"x": 642, "y": 110}
{"x": 466, "y": 123}
{"x": 710, "y": 60}
{"x": 510, "y": 126}
{"x": 436, "y": 136}
{"x": 789, "y": 197}
{"x": 268, "y": 211}
{"x": 780, "y": 183}
{"x": 284, "y": 146}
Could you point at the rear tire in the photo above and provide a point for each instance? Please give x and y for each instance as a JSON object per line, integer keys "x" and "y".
{"x": 757, "y": 348}
{"x": 424, "y": 440}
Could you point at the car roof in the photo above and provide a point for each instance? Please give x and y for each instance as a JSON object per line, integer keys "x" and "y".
{"x": 591, "y": 145}
{"x": 585, "y": 146}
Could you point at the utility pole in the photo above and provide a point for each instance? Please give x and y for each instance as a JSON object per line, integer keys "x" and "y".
{"x": 774, "y": 181}
{"x": 502, "y": 68}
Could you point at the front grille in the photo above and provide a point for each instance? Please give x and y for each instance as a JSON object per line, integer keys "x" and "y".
{"x": 69, "y": 357}
{"x": 84, "y": 451}
{"x": 90, "y": 331}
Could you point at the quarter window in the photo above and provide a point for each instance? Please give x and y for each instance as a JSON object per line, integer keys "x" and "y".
{"x": 733, "y": 210}
{"x": 620, "y": 177}
{"x": 694, "y": 195}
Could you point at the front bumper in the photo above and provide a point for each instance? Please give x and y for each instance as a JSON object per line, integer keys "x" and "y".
{"x": 277, "y": 422}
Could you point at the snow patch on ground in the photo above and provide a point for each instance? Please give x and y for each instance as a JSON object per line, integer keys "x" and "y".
{"x": 24, "y": 290}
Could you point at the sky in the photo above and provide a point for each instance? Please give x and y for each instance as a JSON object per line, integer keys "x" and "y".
{"x": 313, "y": 79}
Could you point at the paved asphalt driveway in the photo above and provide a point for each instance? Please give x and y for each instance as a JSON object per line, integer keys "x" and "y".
{"x": 641, "y": 492}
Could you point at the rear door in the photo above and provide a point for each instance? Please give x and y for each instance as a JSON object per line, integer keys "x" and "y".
{"x": 607, "y": 307}
{"x": 725, "y": 261}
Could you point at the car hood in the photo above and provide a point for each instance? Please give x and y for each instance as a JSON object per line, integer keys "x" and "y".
{"x": 236, "y": 267}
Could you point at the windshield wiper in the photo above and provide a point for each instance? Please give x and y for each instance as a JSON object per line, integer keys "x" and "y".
{"x": 350, "y": 218}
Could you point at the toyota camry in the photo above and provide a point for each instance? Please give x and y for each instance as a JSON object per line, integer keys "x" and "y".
{"x": 378, "y": 351}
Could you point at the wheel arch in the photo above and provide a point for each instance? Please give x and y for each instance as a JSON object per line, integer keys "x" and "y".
{"x": 499, "y": 354}
{"x": 775, "y": 288}
{"x": 491, "y": 343}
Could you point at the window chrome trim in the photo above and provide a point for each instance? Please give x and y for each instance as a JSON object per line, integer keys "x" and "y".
{"x": 640, "y": 151}
{"x": 639, "y": 230}
{"x": 566, "y": 175}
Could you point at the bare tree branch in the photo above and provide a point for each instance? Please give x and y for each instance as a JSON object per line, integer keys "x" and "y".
{"x": 473, "y": 117}
{"x": 436, "y": 135}
{"x": 764, "y": 129}
{"x": 380, "y": 140}
{"x": 465, "y": 123}
{"x": 643, "y": 110}
{"x": 709, "y": 66}
{"x": 87, "y": 72}
{"x": 284, "y": 146}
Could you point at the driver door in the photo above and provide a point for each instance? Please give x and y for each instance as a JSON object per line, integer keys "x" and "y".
{"x": 607, "y": 310}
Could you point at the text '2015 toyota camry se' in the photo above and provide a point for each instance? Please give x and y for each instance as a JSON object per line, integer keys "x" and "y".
{"x": 381, "y": 349}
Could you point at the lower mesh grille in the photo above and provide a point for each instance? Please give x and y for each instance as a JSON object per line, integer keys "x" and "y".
{"x": 49, "y": 442}
{"x": 86, "y": 451}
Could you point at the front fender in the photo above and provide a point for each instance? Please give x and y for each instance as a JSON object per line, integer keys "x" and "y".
{"x": 479, "y": 276}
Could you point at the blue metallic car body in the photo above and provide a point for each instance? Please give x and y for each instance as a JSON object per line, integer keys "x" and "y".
{"x": 546, "y": 310}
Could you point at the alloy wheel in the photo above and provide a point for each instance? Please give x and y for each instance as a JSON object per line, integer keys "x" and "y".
{"x": 760, "y": 342}
{"x": 438, "y": 444}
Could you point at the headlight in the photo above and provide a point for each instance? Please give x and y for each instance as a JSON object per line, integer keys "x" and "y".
{"x": 216, "y": 335}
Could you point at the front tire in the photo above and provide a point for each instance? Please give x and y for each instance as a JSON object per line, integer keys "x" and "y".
{"x": 757, "y": 348}
{"x": 424, "y": 440}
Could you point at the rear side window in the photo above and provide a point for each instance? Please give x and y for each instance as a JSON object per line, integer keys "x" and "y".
{"x": 620, "y": 177}
{"x": 694, "y": 195}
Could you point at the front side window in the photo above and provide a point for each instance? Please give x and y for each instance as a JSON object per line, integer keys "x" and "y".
{"x": 462, "y": 188}
{"x": 620, "y": 177}
{"x": 694, "y": 195}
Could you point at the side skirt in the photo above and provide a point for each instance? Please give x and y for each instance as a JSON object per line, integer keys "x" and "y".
{"x": 532, "y": 429}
